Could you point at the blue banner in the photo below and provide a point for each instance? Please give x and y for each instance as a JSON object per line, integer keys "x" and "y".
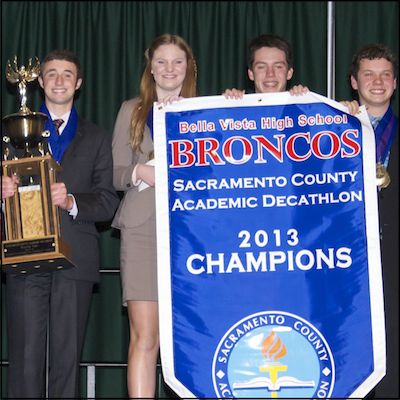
{"x": 269, "y": 267}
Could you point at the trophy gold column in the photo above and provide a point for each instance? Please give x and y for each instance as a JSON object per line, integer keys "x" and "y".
{"x": 31, "y": 239}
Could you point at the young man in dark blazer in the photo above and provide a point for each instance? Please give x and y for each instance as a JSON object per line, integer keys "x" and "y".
{"x": 373, "y": 77}
{"x": 58, "y": 302}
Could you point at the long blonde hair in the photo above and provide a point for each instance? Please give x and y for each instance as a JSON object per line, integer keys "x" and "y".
{"x": 148, "y": 93}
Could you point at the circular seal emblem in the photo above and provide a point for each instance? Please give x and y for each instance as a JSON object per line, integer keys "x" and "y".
{"x": 273, "y": 354}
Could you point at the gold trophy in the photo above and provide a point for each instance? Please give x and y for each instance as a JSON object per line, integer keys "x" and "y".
{"x": 32, "y": 239}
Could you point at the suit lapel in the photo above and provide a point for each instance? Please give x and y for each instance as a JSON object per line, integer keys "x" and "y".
{"x": 75, "y": 143}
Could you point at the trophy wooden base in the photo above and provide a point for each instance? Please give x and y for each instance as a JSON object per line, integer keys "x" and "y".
{"x": 32, "y": 230}
{"x": 36, "y": 255}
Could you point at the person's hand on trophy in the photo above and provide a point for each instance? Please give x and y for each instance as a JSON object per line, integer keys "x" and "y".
{"x": 9, "y": 185}
{"x": 60, "y": 197}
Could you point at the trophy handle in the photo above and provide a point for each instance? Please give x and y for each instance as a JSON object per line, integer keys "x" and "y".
{"x": 6, "y": 139}
{"x": 46, "y": 133}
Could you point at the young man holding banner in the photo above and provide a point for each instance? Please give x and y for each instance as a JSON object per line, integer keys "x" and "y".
{"x": 270, "y": 66}
{"x": 373, "y": 76}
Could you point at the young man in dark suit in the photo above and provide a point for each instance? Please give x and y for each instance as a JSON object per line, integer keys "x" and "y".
{"x": 58, "y": 302}
{"x": 373, "y": 76}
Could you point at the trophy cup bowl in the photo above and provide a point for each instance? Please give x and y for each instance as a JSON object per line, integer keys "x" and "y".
{"x": 25, "y": 130}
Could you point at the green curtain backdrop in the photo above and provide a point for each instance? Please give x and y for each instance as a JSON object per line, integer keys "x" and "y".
{"x": 110, "y": 39}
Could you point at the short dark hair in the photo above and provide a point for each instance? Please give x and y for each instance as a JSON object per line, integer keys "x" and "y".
{"x": 62, "y": 54}
{"x": 371, "y": 52}
{"x": 269, "y": 41}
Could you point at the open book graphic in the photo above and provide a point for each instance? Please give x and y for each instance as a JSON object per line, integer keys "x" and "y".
{"x": 281, "y": 382}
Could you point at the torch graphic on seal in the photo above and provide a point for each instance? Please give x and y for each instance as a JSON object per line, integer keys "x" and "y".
{"x": 273, "y": 349}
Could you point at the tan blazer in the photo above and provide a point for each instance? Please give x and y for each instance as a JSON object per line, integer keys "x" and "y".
{"x": 136, "y": 207}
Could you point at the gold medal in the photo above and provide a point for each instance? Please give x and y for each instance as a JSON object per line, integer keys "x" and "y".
{"x": 382, "y": 176}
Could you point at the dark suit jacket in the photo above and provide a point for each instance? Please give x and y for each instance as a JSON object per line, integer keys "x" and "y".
{"x": 389, "y": 223}
{"x": 87, "y": 171}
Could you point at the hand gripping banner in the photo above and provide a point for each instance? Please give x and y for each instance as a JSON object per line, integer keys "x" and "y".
{"x": 269, "y": 268}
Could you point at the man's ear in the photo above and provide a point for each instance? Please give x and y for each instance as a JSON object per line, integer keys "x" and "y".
{"x": 250, "y": 74}
{"x": 353, "y": 82}
{"x": 40, "y": 80}
{"x": 78, "y": 83}
{"x": 290, "y": 74}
